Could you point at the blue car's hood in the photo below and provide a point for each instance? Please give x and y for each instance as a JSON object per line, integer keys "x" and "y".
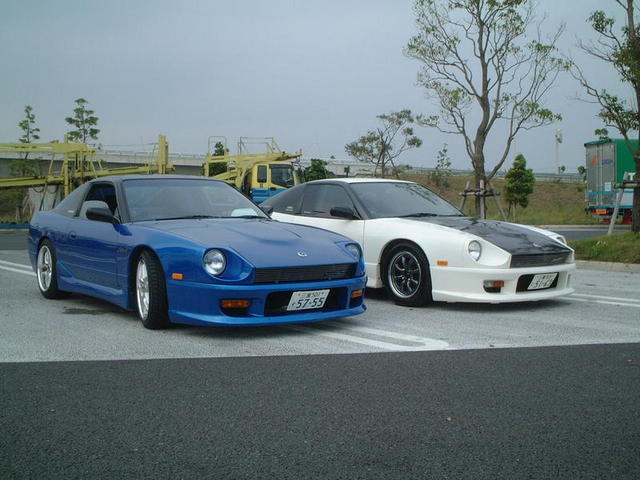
{"x": 264, "y": 243}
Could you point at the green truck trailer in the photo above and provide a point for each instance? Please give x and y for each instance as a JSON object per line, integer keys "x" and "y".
{"x": 607, "y": 161}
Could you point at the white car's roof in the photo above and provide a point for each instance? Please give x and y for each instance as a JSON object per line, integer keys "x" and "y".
{"x": 360, "y": 180}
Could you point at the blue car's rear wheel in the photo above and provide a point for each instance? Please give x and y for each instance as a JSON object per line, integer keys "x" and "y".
{"x": 406, "y": 275}
{"x": 151, "y": 292}
{"x": 46, "y": 271}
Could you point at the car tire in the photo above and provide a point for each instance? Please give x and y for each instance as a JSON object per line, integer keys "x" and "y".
{"x": 150, "y": 292}
{"x": 46, "y": 271}
{"x": 406, "y": 275}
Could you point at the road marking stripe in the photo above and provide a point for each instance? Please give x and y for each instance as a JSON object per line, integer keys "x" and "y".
{"x": 9, "y": 269}
{"x": 606, "y": 298}
{"x": 423, "y": 343}
{"x": 19, "y": 265}
{"x": 606, "y": 303}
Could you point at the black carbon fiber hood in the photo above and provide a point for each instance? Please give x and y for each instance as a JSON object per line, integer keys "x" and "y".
{"x": 514, "y": 239}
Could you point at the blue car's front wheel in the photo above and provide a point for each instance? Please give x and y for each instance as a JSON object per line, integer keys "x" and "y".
{"x": 151, "y": 292}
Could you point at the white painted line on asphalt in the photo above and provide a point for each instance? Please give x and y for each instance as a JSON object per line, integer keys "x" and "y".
{"x": 9, "y": 269}
{"x": 603, "y": 302}
{"x": 422, "y": 343}
{"x": 11, "y": 264}
{"x": 606, "y": 298}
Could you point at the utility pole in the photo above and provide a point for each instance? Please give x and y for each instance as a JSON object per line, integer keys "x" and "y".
{"x": 558, "y": 142}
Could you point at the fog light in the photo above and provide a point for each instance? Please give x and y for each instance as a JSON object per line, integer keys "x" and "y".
{"x": 356, "y": 293}
{"x": 235, "y": 303}
{"x": 493, "y": 286}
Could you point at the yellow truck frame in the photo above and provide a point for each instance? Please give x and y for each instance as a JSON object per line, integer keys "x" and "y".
{"x": 254, "y": 173}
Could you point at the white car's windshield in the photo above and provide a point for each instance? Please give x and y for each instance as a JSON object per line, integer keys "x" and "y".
{"x": 173, "y": 199}
{"x": 391, "y": 199}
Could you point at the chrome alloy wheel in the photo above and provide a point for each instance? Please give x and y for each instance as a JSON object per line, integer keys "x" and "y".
{"x": 44, "y": 268}
{"x": 405, "y": 274}
{"x": 142, "y": 289}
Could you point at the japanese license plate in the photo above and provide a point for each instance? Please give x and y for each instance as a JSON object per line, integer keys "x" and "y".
{"x": 542, "y": 280}
{"x": 307, "y": 299}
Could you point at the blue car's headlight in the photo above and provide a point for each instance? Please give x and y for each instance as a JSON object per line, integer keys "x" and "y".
{"x": 355, "y": 250}
{"x": 214, "y": 262}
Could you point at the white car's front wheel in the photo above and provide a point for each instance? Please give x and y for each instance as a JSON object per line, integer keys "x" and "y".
{"x": 406, "y": 275}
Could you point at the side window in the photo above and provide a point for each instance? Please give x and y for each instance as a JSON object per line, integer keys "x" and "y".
{"x": 320, "y": 199}
{"x": 70, "y": 205}
{"x": 287, "y": 201}
{"x": 103, "y": 192}
{"x": 262, "y": 174}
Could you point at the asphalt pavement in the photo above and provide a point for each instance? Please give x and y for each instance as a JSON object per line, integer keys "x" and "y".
{"x": 566, "y": 411}
{"x": 558, "y": 412}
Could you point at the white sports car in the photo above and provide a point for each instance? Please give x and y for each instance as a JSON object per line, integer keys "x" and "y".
{"x": 421, "y": 248}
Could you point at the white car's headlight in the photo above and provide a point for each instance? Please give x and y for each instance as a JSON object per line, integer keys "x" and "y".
{"x": 475, "y": 250}
{"x": 214, "y": 262}
{"x": 354, "y": 249}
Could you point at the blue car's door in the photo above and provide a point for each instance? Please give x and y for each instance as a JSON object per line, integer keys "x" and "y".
{"x": 91, "y": 246}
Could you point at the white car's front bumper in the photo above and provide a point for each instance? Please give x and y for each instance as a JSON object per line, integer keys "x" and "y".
{"x": 467, "y": 284}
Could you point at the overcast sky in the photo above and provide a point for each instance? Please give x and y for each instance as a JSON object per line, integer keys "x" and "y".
{"x": 313, "y": 74}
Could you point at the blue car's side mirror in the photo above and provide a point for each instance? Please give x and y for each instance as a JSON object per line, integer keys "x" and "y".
{"x": 101, "y": 214}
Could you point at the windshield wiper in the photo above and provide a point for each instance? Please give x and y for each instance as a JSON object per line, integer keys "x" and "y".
{"x": 185, "y": 217}
{"x": 248, "y": 216}
{"x": 419, "y": 214}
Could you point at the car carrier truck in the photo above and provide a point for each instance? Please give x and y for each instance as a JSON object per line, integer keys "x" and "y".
{"x": 608, "y": 163}
{"x": 257, "y": 175}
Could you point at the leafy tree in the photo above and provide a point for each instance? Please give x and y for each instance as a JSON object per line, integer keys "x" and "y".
{"x": 442, "y": 173}
{"x": 217, "y": 168}
{"x": 520, "y": 183}
{"x": 380, "y": 147}
{"x": 484, "y": 67}
{"x": 84, "y": 121}
{"x": 620, "y": 50}
{"x": 317, "y": 170}
{"x": 22, "y": 167}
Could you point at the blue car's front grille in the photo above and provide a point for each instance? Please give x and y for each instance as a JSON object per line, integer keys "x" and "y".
{"x": 305, "y": 274}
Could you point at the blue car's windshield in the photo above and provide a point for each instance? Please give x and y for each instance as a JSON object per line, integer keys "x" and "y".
{"x": 173, "y": 199}
{"x": 391, "y": 199}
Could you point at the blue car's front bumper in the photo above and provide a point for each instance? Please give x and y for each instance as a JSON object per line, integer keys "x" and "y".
{"x": 200, "y": 304}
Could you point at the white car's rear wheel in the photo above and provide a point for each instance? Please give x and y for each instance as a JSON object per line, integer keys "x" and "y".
{"x": 406, "y": 275}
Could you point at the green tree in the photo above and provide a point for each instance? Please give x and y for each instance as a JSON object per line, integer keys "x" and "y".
{"x": 84, "y": 121}
{"x": 217, "y": 168}
{"x": 520, "y": 183}
{"x": 23, "y": 167}
{"x": 316, "y": 171}
{"x": 620, "y": 50}
{"x": 485, "y": 65}
{"x": 442, "y": 173}
{"x": 380, "y": 147}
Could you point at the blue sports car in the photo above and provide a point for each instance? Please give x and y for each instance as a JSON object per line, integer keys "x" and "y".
{"x": 193, "y": 250}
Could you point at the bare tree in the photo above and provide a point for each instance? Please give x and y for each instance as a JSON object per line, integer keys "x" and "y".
{"x": 381, "y": 146}
{"x": 621, "y": 50}
{"x": 477, "y": 65}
